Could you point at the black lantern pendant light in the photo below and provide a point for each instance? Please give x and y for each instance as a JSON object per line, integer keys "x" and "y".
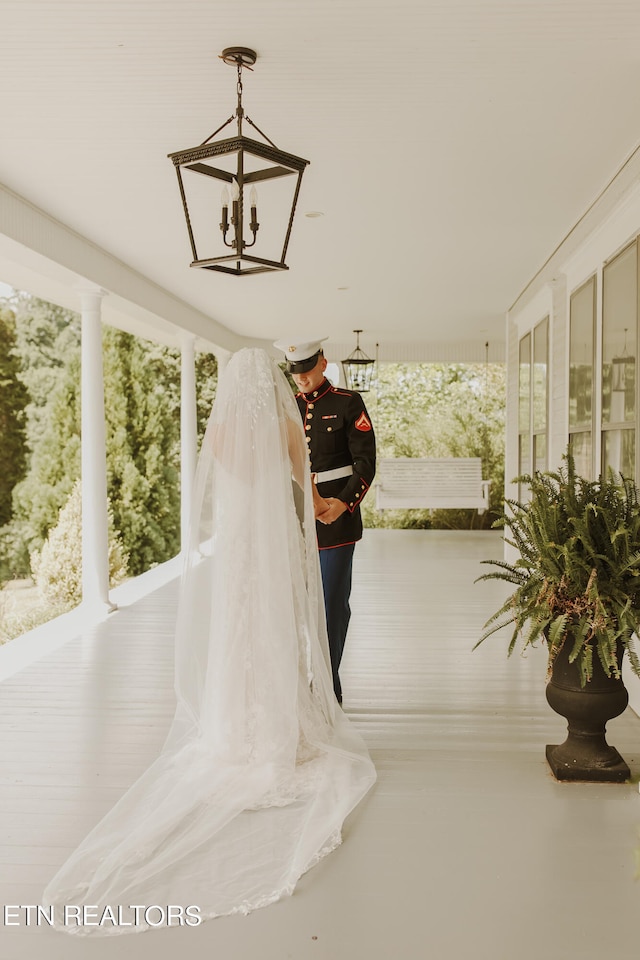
{"x": 230, "y": 173}
{"x": 358, "y": 368}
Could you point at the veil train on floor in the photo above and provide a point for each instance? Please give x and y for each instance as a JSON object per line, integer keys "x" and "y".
{"x": 260, "y": 767}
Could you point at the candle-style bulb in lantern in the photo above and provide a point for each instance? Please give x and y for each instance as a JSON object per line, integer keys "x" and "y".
{"x": 225, "y": 209}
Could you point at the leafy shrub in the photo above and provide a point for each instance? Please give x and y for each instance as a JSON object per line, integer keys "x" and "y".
{"x": 57, "y": 568}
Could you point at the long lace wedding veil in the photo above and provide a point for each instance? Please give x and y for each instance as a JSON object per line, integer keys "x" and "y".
{"x": 260, "y": 766}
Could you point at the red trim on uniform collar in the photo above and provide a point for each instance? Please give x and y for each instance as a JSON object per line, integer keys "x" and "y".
{"x": 324, "y": 387}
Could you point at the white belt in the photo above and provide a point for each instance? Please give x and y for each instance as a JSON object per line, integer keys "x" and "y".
{"x": 334, "y": 474}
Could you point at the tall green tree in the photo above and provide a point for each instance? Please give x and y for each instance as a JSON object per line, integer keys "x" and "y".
{"x": 142, "y": 411}
{"x": 142, "y": 401}
{"x": 47, "y": 341}
{"x": 143, "y": 437}
{"x": 48, "y": 347}
{"x": 13, "y": 402}
{"x": 440, "y": 410}
{"x": 55, "y": 457}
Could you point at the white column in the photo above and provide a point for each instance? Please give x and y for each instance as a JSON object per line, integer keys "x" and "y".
{"x": 95, "y": 537}
{"x": 188, "y": 432}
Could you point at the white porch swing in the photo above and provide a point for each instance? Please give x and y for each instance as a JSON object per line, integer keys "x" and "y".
{"x": 433, "y": 483}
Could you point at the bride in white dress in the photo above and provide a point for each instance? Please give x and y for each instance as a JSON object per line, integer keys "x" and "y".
{"x": 260, "y": 767}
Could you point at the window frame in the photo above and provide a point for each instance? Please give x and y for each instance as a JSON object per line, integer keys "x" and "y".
{"x": 529, "y": 433}
{"x": 584, "y": 427}
{"x": 630, "y": 425}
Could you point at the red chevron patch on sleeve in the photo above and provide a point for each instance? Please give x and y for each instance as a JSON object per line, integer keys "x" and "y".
{"x": 363, "y": 423}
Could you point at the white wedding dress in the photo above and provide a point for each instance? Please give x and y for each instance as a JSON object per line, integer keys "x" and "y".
{"x": 260, "y": 767}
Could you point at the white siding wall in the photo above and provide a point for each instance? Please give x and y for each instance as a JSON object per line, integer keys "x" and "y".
{"x": 608, "y": 234}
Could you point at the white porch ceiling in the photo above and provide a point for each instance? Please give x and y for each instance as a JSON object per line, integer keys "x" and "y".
{"x": 453, "y": 144}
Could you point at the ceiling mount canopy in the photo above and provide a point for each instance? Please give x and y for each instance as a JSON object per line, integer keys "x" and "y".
{"x": 219, "y": 174}
{"x": 239, "y": 56}
{"x": 358, "y": 368}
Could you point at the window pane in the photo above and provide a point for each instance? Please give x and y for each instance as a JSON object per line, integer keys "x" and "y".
{"x": 619, "y": 322}
{"x": 540, "y": 352}
{"x": 581, "y": 448}
{"x": 619, "y": 451}
{"x": 524, "y": 454}
{"x": 524, "y": 384}
{"x": 524, "y": 463}
{"x": 581, "y": 325}
{"x": 540, "y": 451}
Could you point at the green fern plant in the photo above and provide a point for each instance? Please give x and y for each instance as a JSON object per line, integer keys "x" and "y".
{"x": 577, "y": 578}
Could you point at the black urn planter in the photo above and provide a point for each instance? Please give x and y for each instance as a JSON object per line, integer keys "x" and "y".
{"x": 585, "y": 754}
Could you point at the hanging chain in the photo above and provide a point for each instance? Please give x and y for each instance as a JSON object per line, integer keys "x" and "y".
{"x": 240, "y": 114}
{"x": 239, "y": 110}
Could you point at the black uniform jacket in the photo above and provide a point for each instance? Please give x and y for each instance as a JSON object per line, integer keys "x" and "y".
{"x": 339, "y": 434}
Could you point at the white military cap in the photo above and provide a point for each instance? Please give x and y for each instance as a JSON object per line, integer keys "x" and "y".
{"x": 302, "y": 355}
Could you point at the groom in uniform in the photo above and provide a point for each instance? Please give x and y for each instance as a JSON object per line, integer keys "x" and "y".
{"x": 342, "y": 452}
